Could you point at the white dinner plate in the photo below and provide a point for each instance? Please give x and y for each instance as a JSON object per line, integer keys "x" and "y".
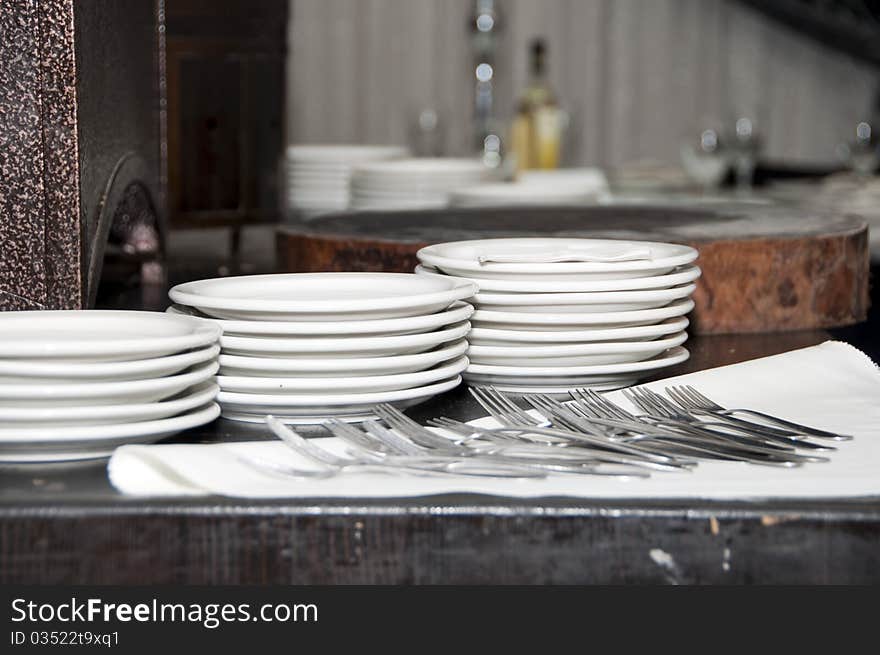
{"x": 602, "y": 301}
{"x": 332, "y": 153}
{"x": 573, "y": 321}
{"x": 311, "y": 347}
{"x": 321, "y": 296}
{"x": 99, "y": 336}
{"x": 419, "y": 167}
{"x": 343, "y": 384}
{"x": 512, "y": 193}
{"x": 455, "y": 313}
{"x": 102, "y": 393}
{"x": 560, "y": 379}
{"x": 468, "y": 258}
{"x": 27, "y": 371}
{"x": 683, "y": 275}
{"x": 316, "y": 408}
{"x": 103, "y": 414}
{"x": 586, "y": 354}
{"x": 528, "y": 338}
{"x": 72, "y": 443}
{"x": 238, "y": 365}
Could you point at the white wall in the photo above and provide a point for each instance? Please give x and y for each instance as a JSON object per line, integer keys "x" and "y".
{"x": 637, "y": 75}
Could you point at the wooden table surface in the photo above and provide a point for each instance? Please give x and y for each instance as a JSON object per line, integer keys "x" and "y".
{"x": 65, "y": 524}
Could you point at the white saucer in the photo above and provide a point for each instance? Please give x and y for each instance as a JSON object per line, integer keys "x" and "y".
{"x": 355, "y": 346}
{"x": 238, "y": 365}
{"x": 363, "y": 384}
{"x": 682, "y": 275}
{"x": 65, "y": 443}
{"x": 572, "y": 321}
{"x": 560, "y": 379}
{"x": 463, "y": 258}
{"x": 102, "y": 393}
{"x": 104, "y": 414}
{"x": 527, "y": 338}
{"x": 455, "y": 313}
{"x": 321, "y": 296}
{"x": 99, "y": 336}
{"x": 586, "y": 354}
{"x": 315, "y": 408}
{"x": 48, "y": 372}
{"x": 603, "y": 301}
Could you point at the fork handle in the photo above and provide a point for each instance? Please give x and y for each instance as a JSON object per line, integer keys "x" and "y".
{"x": 800, "y": 429}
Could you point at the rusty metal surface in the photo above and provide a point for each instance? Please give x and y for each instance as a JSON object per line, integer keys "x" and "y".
{"x": 764, "y": 270}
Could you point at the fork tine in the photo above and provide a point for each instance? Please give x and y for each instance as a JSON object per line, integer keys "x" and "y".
{"x": 709, "y": 403}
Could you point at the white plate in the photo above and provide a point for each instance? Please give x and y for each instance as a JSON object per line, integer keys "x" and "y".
{"x": 512, "y": 193}
{"x": 321, "y": 296}
{"x": 66, "y": 443}
{"x": 419, "y": 167}
{"x": 104, "y": 414}
{"x": 456, "y": 313}
{"x": 343, "y": 384}
{"x": 560, "y": 379}
{"x": 318, "y": 407}
{"x": 463, "y": 258}
{"x": 572, "y": 321}
{"x": 683, "y": 275}
{"x": 42, "y": 372}
{"x": 332, "y": 153}
{"x": 99, "y": 336}
{"x": 102, "y": 393}
{"x": 342, "y": 346}
{"x": 529, "y": 338}
{"x": 237, "y": 365}
{"x": 585, "y": 354}
{"x": 603, "y": 301}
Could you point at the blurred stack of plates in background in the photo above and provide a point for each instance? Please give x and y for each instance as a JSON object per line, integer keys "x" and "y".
{"x": 556, "y": 314}
{"x": 306, "y": 347}
{"x": 318, "y": 175}
{"x": 74, "y": 385}
{"x": 421, "y": 183}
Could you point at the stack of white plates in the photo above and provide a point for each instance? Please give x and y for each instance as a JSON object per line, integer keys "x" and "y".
{"x": 318, "y": 175}
{"x": 74, "y": 385}
{"x": 556, "y": 314}
{"x": 424, "y": 183}
{"x": 305, "y": 347}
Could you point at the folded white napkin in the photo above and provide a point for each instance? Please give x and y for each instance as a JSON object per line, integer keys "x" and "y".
{"x": 831, "y": 386}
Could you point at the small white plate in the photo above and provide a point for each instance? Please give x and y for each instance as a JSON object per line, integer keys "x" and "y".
{"x": 343, "y": 384}
{"x": 682, "y": 275}
{"x": 463, "y": 258}
{"x": 102, "y": 393}
{"x": 236, "y": 365}
{"x": 103, "y": 414}
{"x": 512, "y": 193}
{"x": 342, "y": 346}
{"x": 560, "y": 379}
{"x": 29, "y": 371}
{"x": 321, "y": 296}
{"x": 529, "y": 338}
{"x": 66, "y": 443}
{"x": 316, "y": 408}
{"x": 571, "y": 321}
{"x": 459, "y": 311}
{"x": 332, "y": 153}
{"x": 603, "y": 301}
{"x": 586, "y": 354}
{"x": 99, "y": 336}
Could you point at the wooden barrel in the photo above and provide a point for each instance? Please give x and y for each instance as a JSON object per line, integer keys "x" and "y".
{"x": 765, "y": 269}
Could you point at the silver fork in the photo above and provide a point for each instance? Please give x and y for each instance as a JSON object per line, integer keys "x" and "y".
{"x": 397, "y": 420}
{"x": 669, "y": 415}
{"x": 703, "y": 402}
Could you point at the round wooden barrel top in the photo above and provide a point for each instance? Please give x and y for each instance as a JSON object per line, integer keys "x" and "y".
{"x": 765, "y": 268}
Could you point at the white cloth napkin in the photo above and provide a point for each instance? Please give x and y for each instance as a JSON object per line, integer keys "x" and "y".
{"x": 832, "y": 386}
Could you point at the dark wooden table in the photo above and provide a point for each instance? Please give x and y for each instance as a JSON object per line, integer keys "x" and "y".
{"x": 65, "y": 524}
